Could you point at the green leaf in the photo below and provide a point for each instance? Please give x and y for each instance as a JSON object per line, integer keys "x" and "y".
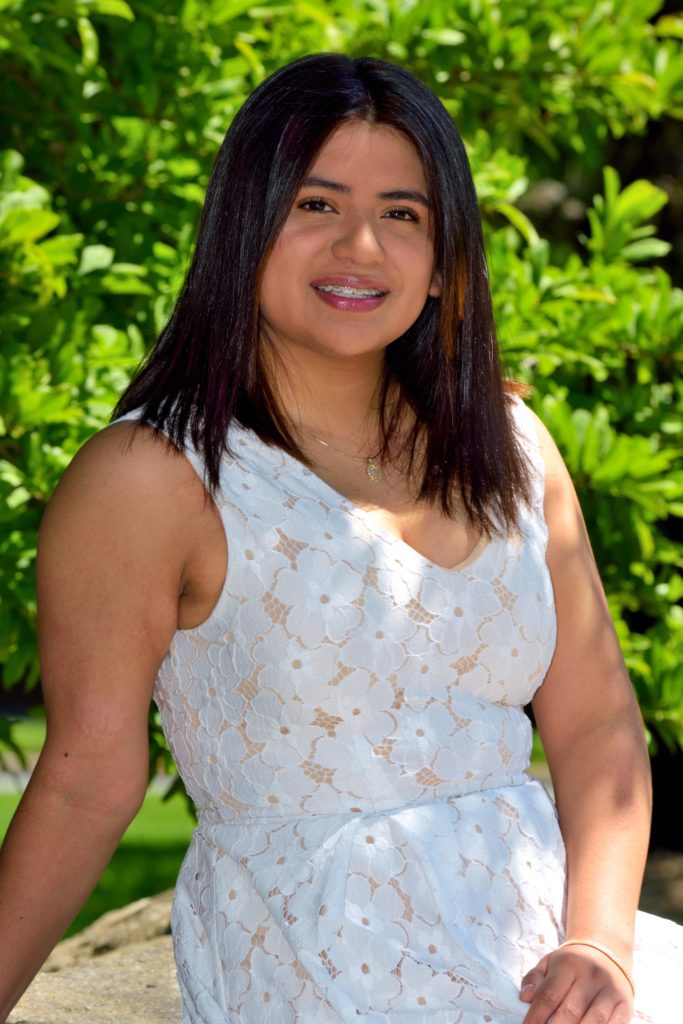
{"x": 62, "y": 250}
{"x": 117, "y": 282}
{"x": 21, "y": 226}
{"x": 114, "y": 8}
{"x": 520, "y": 221}
{"x": 647, "y": 249}
{"x": 639, "y": 201}
{"x": 669, "y": 25}
{"x": 90, "y": 44}
{"x": 95, "y": 257}
{"x": 252, "y": 57}
{"x": 584, "y": 293}
{"x": 11, "y": 163}
{"x": 444, "y": 36}
{"x": 221, "y": 11}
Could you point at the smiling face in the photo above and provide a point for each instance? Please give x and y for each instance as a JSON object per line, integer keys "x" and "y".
{"x": 353, "y": 265}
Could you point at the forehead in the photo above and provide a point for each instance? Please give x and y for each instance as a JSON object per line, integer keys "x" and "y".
{"x": 363, "y": 149}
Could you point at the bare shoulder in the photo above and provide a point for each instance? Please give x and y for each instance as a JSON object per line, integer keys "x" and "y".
{"x": 129, "y": 480}
{"x": 120, "y": 530}
{"x": 130, "y": 461}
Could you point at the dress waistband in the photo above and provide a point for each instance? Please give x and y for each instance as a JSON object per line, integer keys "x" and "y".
{"x": 213, "y": 817}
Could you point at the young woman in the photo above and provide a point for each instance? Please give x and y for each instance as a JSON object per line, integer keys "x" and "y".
{"x": 343, "y": 555}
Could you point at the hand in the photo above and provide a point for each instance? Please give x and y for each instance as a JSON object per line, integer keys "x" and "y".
{"x": 577, "y": 985}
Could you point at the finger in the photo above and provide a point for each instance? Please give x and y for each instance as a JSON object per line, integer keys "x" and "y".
{"x": 582, "y": 1006}
{"x": 579, "y": 1007}
{"x": 548, "y": 998}
{"x": 606, "y": 1009}
{"x": 532, "y": 979}
{"x": 622, "y": 1014}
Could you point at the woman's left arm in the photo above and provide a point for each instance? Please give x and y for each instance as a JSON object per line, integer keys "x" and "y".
{"x": 593, "y": 737}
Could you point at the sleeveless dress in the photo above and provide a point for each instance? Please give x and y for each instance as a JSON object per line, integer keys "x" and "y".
{"x": 349, "y": 722}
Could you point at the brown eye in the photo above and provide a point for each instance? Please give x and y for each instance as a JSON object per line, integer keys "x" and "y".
{"x": 409, "y": 214}
{"x": 314, "y": 205}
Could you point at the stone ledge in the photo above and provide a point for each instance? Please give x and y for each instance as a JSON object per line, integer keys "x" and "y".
{"x": 136, "y": 984}
{"x": 148, "y": 918}
{"x": 120, "y": 969}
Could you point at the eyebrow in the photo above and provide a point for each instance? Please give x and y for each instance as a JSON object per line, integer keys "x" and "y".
{"x": 409, "y": 194}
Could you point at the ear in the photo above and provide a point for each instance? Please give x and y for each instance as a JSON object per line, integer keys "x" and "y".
{"x": 435, "y": 286}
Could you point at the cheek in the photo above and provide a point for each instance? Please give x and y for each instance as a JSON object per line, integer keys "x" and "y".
{"x": 270, "y": 299}
{"x": 420, "y": 272}
{"x": 295, "y": 240}
{"x": 286, "y": 263}
{"x": 417, "y": 254}
{"x": 276, "y": 277}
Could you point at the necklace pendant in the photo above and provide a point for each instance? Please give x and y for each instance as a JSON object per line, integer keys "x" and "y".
{"x": 374, "y": 471}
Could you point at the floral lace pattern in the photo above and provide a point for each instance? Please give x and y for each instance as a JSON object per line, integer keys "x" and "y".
{"x": 349, "y": 721}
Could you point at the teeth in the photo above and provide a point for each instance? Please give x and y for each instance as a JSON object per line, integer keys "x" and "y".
{"x": 348, "y": 292}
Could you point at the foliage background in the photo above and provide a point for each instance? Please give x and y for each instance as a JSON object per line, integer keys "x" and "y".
{"x": 110, "y": 116}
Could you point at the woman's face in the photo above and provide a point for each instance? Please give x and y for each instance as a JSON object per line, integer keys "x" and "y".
{"x": 350, "y": 235}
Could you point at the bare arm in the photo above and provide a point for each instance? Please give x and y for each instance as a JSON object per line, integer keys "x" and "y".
{"x": 593, "y": 736}
{"x": 112, "y": 552}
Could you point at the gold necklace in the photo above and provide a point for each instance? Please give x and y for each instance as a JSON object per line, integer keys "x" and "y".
{"x": 372, "y": 467}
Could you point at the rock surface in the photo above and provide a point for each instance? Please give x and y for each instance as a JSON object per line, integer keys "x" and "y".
{"x": 149, "y": 918}
{"x": 120, "y": 970}
{"x": 135, "y": 985}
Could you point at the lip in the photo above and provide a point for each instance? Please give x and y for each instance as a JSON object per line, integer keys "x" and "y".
{"x": 347, "y": 304}
{"x": 352, "y": 281}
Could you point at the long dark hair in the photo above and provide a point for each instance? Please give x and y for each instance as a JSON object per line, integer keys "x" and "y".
{"x": 207, "y": 366}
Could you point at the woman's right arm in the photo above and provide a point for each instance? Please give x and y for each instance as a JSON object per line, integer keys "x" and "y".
{"x": 112, "y": 557}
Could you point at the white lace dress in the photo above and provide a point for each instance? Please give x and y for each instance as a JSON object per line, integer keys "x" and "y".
{"x": 349, "y": 723}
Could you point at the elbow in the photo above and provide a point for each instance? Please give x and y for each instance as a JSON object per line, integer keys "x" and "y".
{"x": 121, "y": 799}
{"x": 611, "y": 758}
{"x": 100, "y": 790}
{"x": 631, "y": 785}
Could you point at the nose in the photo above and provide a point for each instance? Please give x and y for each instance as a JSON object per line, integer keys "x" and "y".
{"x": 357, "y": 240}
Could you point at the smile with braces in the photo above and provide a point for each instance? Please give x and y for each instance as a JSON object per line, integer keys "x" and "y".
{"x": 347, "y": 292}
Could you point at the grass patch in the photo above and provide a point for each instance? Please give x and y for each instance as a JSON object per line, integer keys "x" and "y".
{"x": 29, "y": 734}
{"x": 537, "y": 752}
{"x": 146, "y": 861}
{"x": 26, "y": 733}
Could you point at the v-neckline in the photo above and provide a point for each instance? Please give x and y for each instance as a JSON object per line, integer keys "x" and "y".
{"x": 337, "y": 499}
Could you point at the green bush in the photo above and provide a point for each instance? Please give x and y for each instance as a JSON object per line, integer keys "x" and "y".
{"x": 111, "y": 116}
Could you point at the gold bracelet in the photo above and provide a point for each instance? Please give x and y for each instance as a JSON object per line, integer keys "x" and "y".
{"x": 607, "y": 952}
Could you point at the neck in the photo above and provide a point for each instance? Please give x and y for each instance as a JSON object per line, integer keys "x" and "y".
{"x": 335, "y": 398}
